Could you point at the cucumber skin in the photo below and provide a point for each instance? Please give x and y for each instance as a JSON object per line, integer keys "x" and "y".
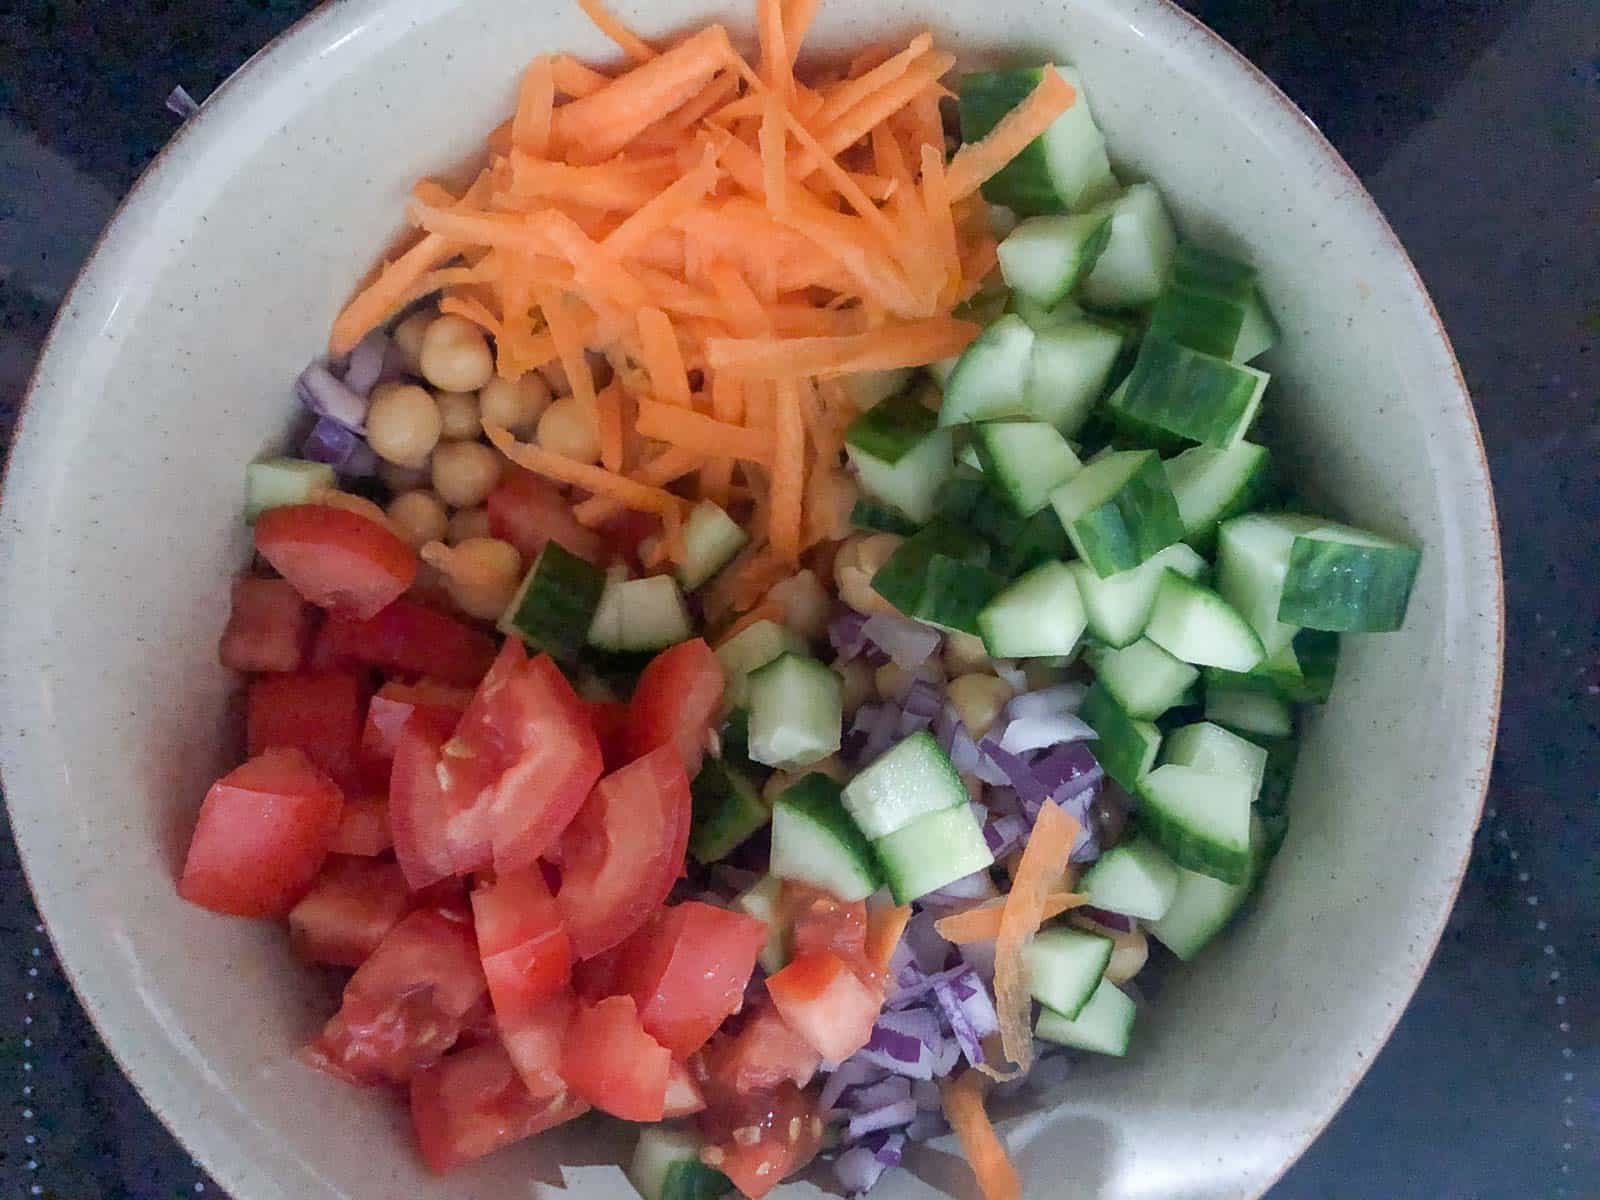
{"x": 1121, "y": 738}
{"x": 568, "y": 592}
{"x": 986, "y": 97}
{"x": 1303, "y": 672}
{"x": 815, "y": 799}
{"x": 890, "y": 429}
{"x": 1015, "y": 544}
{"x": 1140, "y": 519}
{"x": 1189, "y": 394}
{"x": 1348, "y": 588}
{"x": 694, "y": 1181}
{"x": 1189, "y": 851}
{"x": 727, "y": 811}
{"x": 882, "y": 518}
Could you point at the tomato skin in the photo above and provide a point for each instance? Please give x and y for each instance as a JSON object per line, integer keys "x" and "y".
{"x": 762, "y": 1055}
{"x": 363, "y": 827}
{"x": 675, "y": 701}
{"x": 623, "y": 851}
{"x": 349, "y": 910}
{"x": 335, "y": 558}
{"x": 789, "y": 1133}
{"x": 525, "y": 952}
{"x": 528, "y": 511}
{"x": 473, "y": 1103}
{"x": 535, "y": 1040}
{"x": 318, "y": 713}
{"x": 404, "y": 1007}
{"x": 396, "y": 703}
{"x": 686, "y": 970}
{"x": 823, "y": 1001}
{"x": 613, "y": 1064}
{"x": 262, "y": 835}
{"x": 820, "y": 922}
{"x": 407, "y": 638}
{"x": 269, "y": 627}
{"x": 610, "y": 721}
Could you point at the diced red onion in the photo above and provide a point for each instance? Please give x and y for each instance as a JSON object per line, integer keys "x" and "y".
{"x": 908, "y": 995}
{"x": 328, "y": 397}
{"x": 332, "y": 443}
{"x": 914, "y": 1023}
{"x": 1015, "y": 771}
{"x": 1002, "y": 799}
{"x": 888, "y": 1148}
{"x": 976, "y": 1003}
{"x": 980, "y": 957}
{"x": 946, "y": 1058}
{"x": 871, "y": 1096}
{"x": 853, "y": 1072}
{"x": 960, "y": 1027}
{"x": 890, "y": 1116}
{"x": 1005, "y": 834}
{"x": 1026, "y": 734}
{"x": 926, "y": 943}
{"x": 926, "y": 1093}
{"x": 845, "y": 634}
{"x": 1070, "y": 763}
{"x": 922, "y": 699}
{"x": 911, "y": 723}
{"x": 908, "y": 643}
{"x": 964, "y": 754}
{"x": 858, "y": 1170}
{"x": 374, "y": 359}
{"x": 873, "y": 731}
{"x": 1011, "y": 673}
{"x": 1061, "y": 697}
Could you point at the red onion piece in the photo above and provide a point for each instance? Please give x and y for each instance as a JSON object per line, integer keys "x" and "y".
{"x": 1070, "y": 763}
{"x": 858, "y": 1170}
{"x": 328, "y": 397}
{"x": 845, "y": 636}
{"x": 1014, "y": 770}
{"x": 928, "y": 1125}
{"x": 366, "y": 364}
{"x": 1011, "y": 673}
{"x": 908, "y": 643}
{"x": 965, "y": 1035}
{"x": 1062, "y": 697}
{"x": 853, "y": 1072}
{"x": 891, "y": 1090}
{"x": 890, "y": 1116}
{"x": 332, "y": 443}
{"x": 1026, "y": 734}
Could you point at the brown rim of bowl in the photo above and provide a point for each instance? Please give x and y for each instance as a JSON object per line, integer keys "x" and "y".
{"x": 325, "y": 12}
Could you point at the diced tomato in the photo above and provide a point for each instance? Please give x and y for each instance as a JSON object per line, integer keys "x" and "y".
{"x": 824, "y": 1002}
{"x": 623, "y": 851}
{"x": 268, "y": 628}
{"x": 434, "y": 836}
{"x": 596, "y": 978}
{"x": 349, "y": 910}
{"x": 764, "y": 1053}
{"x": 473, "y": 1103}
{"x": 611, "y": 1062}
{"x": 820, "y": 922}
{"x": 317, "y": 713}
{"x": 683, "y": 1094}
{"x": 624, "y": 532}
{"x": 364, "y": 827}
{"x": 403, "y": 1008}
{"x": 686, "y": 969}
{"x": 395, "y": 703}
{"x": 409, "y": 638}
{"x": 535, "y": 1040}
{"x": 759, "y": 1140}
{"x": 528, "y": 511}
{"x": 674, "y": 702}
{"x": 263, "y": 833}
{"x": 478, "y": 1027}
{"x": 610, "y": 721}
{"x": 335, "y": 558}
{"x": 526, "y": 955}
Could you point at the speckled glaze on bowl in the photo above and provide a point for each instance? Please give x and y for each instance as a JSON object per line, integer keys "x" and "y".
{"x": 170, "y": 366}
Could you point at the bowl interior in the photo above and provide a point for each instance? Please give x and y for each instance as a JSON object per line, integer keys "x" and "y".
{"x": 171, "y": 368}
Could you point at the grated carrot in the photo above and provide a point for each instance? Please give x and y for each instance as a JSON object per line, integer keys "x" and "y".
{"x": 874, "y": 109}
{"x": 797, "y": 18}
{"x": 608, "y": 23}
{"x": 569, "y": 346}
{"x": 981, "y": 923}
{"x": 788, "y": 471}
{"x": 661, "y": 359}
{"x": 768, "y": 610}
{"x": 963, "y": 1107}
{"x": 777, "y": 66}
{"x": 909, "y": 344}
{"x": 774, "y": 145}
{"x": 530, "y": 128}
{"x": 936, "y": 201}
{"x": 606, "y": 186}
{"x": 627, "y": 492}
{"x": 853, "y": 91}
{"x": 576, "y": 79}
{"x": 608, "y": 415}
{"x": 665, "y": 468}
{"x": 700, "y": 434}
{"x": 977, "y": 162}
{"x": 885, "y": 928}
{"x": 472, "y": 310}
{"x": 665, "y": 208}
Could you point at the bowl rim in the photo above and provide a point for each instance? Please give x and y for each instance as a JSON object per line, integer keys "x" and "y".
{"x": 164, "y": 170}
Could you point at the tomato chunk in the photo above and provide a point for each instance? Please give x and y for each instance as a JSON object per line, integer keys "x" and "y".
{"x": 536, "y": 1038}
{"x": 317, "y": 713}
{"x": 268, "y": 628}
{"x": 610, "y": 721}
{"x": 759, "y": 1140}
{"x": 526, "y": 955}
{"x": 763, "y": 1054}
{"x": 264, "y": 830}
{"x": 410, "y": 639}
{"x": 336, "y": 559}
{"x": 824, "y": 1002}
{"x": 528, "y": 511}
{"x": 676, "y": 698}
{"x": 595, "y": 978}
{"x": 623, "y": 851}
{"x": 821, "y": 922}
{"x": 396, "y": 703}
{"x": 404, "y": 1007}
{"x": 613, "y": 1064}
{"x": 473, "y": 1103}
{"x": 686, "y": 969}
{"x": 349, "y": 910}
{"x": 363, "y": 827}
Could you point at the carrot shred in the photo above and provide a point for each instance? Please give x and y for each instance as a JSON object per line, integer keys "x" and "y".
{"x": 910, "y": 344}
{"x": 569, "y": 345}
{"x": 797, "y": 18}
{"x": 575, "y": 79}
{"x": 885, "y": 928}
{"x": 700, "y": 434}
{"x": 963, "y": 1107}
{"x": 665, "y": 468}
{"x": 627, "y": 492}
{"x": 605, "y": 186}
{"x": 672, "y": 535}
{"x": 852, "y": 91}
{"x": 788, "y": 471}
{"x": 857, "y": 122}
{"x": 936, "y": 200}
{"x": 977, "y": 162}
{"x": 608, "y": 23}
{"x": 530, "y": 128}
{"x": 981, "y": 923}
{"x": 773, "y": 143}
{"x": 777, "y": 67}
{"x": 923, "y": 122}
{"x": 665, "y": 208}
{"x": 608, "y": 414}
{"x": 389, "y": 292}
{"x": 661, "y": 358}
{"x": 472, "y": 310}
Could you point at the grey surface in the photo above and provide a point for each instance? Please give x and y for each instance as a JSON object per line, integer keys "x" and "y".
{"x": 1477, "y": 127}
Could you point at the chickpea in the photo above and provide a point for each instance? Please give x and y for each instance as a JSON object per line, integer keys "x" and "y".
{"x": 419, "y": 517}
{"x": 1128, "y": 954}
{"x": 965, "y": 654}
{"x": 458, "y": 416}
{"x": 806, "y": 604}
{"x": 455, "y": 356}
{"x": 858, "y": 684}
{"x": 894, "y": 682}
{"x": 403, "y": 479}
{"x": 857, "y": 562}
{"x": 555, "y": 376}
{"x": 481, "y": 574}
{"x": 568, "y": 430}
{"x": 978, "y": 700}
{"x": 466, "y": 524}
{"x": 403, "y": 424}
{"x": 464, "y": 473}
{"x": 514, "y": 404}
{"x": 408, "y": 337}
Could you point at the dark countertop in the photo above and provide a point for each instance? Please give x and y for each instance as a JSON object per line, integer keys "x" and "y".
{"x": 1476, "y": 124}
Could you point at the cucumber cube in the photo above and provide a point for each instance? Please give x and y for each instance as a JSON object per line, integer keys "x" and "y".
{"x": 1207, "y": 746}
{"x": 796, "y": 712}
{"x": 1027, "y": 460}
{"x": 932, "y": 851}
{"x": 1125, "y": 747}
{"x": 1134, "y": 878}
{"x": 666, "y": 1166}
{"x": 762, "y": 900}
{"x": 1068, "y": 369}
{"x": 989, "y": 379}
{"x": 1138, "y": 255}
{"x": 1118, "y": 606}
{"x": 1347, "y": 580}
{"x": 1212, "y": 484}
{"x": 555, "y": 604}
{"x": 278, "y": 482}
{"x": 939, "y": 577}
{"x": 815, "y": 842}
{"x": 1119, "y": 510}
{"x": 1200, "y": 818}
{"x": 881, "y": 518}
{"x": 1250, "y": 710}
{"x": 1038, "y": 616}
{"x": 1189, "y": 394}
{"x": 1200, "y": 909}
{"x": 1193, "y": 623}
{"x": 640, "y": 614}
{"x": 1043, "y": 258}
{"x": 869, "y": 388}
{"x": 1063, "y": 168}
{"x": 1143, "y": 678}
{"x": 910, "y": 780}
{"x": 1104, "y": 1026}
{"x": 1252, "y": 563}
{"x": 751, "y": 649}
{"x": 1065, "y": 966}
{"x": 727, "y": 811}
{"x": 910, "y": 483}
{"x": 711, "y": 538}
{"x": 891, "y": 429}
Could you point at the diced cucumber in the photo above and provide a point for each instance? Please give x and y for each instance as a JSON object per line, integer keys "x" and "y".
{"x": 555, "y": 604}
{"x": 1011, "y": 544}
{"x": 728, "y": 811}
{"x": 640, "y": 614}
{"x": 938, "y": 576}
{"x": 1143, "y": 678}
{"x": 1200, "y": 909}
{"x": 1134, "y": 878}
{"x": 881, "y": 518}
{"x": 796, "y": 712}
{"x": 1272, "y": 804}
{"x": 1041, "y": 317}
{"x": 892, "y": 428}
{"x": 1027, "y": 460}
{"x": 1193, "y": 623}
{"x": 1138, "y": 255}
{"x": 991, "y": 378}
{"x": 1118, "y": 606}
{"x": 815, "y": 842}
{"x": 1212, "y": 484}
{"x": 910, "y": 780}
{"x": 1200, "y": 818}
{"x": 1118, "y": 511}
{"x": 1304, "y": 670}
{"x": 1207, "y": 746}
{"x": 761, "y": 901}
{"x": 1038, "y": 616}
{"x": 1063, "y": 168}
{"x": 931, "y": 851}
{"x": 1258, "y": 332}
{"x": 711, "y": 539}
{"x": 1124, "y": 746}
{"x": 666, "y": 1166}
{"x": 1212, "y": 303}
{"x": 1252, "y": 562}
{"x": 1348, "y": 580}
{"x": 1190, "y": 394}
{"x": 1250, "y": 710}
{"x": 869, "y": 388}
{"x": 1044, "y": 258}
{"x": 278, "y": 482}
{"x": 751, "y": 649}
{"x": 1068, "y": 367}
{"x": 1065, "y": 966}
{"x": 910, "y": 484}
{"x": 968, "y": 458}
{"x": 1104, "y": 1026}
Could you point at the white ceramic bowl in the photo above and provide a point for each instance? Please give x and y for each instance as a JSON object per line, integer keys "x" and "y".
{"x": 170, "y": 368}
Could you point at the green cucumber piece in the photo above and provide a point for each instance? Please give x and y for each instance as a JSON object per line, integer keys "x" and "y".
{"x": 1302, "y": 671}
{"x": 796, "y": 712}
{"x": 279, "y": 482}
{"x": 640, "y": 614}
{"x": 711, "y": 539}
{"x": 1200, "y": 818}
{"x": 1201, "y": 908}
{"x": 554, "y": 606}
{"x": 1040, "y": 615}
{"x": 1348, "y": 580}
{"x": 727, "y": 811}
{"x": 666, "y": 1166}
{"x": 1134, "y": 878}
{"x": 1212, "y": 484}
{"x": 1118, "y": 510}
{"x": 1118, "y": 606}
{"x": 1027, "y": 460}
{"x": 815, "y": 842}
{"x": 881, "y": 518}
{"x": 1189, "y": 394}
{"x": 1252, "y": 563}
{"x": 751, "y": 649}
{"x": 1193, "y": 623}
{"x": 991, "y": 377}
{"x": 1012, "y": 544}
{"x": 1044, "y": 258}
{"x": 1064, "y": 967}
{"x": 1143, "y": 678}
{"x": 1138, "y": 255}
{"x": 892, "y": 428}
{"x": 1213, "y": 303}
{"x": 910, "y": 780}
{"x": 932, "y": 851}
{"x": 938, "y": 576}
{"x": 910, "y": 484}
{"x": 1272, "y": 804}
{"x": 762, "y": 900}
{"x": 1250, "y": 710}
{"x": 1125, "y": 746}
{"x": 1207, "y": 746}
{"x": 1104, "y": 1026}
{"x": 1068, "y": 368}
